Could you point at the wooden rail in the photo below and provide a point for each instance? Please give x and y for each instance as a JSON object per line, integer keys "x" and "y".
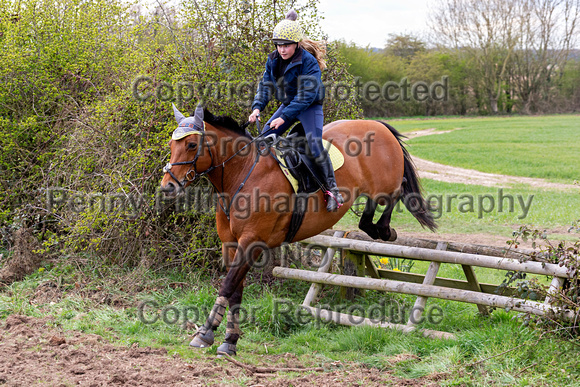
{"x": 376, "y": 248}
{"x": 469, "y": 296}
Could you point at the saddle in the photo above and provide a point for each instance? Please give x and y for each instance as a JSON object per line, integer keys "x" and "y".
{"x": 297, "y": 163}
{"x": 301, "y": 170}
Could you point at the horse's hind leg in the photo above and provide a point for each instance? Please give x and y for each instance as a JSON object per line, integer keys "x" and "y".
{"x": 366, "y": 220}
{"x": 385, "y": 231}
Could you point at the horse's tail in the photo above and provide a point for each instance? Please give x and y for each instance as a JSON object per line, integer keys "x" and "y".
{"x": 412, "y": 192}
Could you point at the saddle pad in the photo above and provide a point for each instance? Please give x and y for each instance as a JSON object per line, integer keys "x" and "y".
{"x": 335, "y": 156}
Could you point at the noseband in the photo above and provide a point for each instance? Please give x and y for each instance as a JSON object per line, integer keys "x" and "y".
{"x": 193, "y": 168}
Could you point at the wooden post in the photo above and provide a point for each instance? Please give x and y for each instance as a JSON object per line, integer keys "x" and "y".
{"x": 346, "y": 267}
{"x": 430, "y": 277}
{"x": 555, "y": 287}
{"x": 352, "y": 264}
{"x": 474, "y": 284}
{"x": 371, "y": 269}
{"x": 325, "y": 266}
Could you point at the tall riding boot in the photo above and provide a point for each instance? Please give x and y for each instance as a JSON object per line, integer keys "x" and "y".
{"x": 334, "y": 199}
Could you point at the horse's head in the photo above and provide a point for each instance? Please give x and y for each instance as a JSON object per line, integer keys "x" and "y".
{"x": 191, "y": 155}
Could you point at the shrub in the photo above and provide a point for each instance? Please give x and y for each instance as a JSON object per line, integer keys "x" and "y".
{"x": 82, "y": 154}
{"x": 563, "y": 254}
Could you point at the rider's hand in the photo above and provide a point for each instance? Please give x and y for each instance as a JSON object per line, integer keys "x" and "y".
{"x": 255, "y": 114}
{"x": 275, "y": 124}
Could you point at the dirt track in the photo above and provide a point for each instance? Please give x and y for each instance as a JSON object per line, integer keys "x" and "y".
{"x": 450, "y": 174}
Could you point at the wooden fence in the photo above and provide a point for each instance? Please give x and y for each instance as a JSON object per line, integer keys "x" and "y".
{"x": 356, "y": 253}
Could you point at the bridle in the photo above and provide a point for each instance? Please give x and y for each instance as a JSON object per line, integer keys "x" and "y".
{"x": 193, "y": 165}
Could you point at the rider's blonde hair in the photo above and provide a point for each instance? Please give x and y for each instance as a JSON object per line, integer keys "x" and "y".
{"x": 317, "y": 49}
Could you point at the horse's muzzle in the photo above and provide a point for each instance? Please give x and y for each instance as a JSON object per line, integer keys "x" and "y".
{"x": 170, "y": 190}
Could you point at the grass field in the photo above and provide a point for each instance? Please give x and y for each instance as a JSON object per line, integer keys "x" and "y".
{"x": 464, "y": 209}
{"x": 543, "y": 147}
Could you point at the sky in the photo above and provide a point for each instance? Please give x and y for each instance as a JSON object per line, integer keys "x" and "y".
{"x": 369, "y": 22}
{"x": 364, "y": 22}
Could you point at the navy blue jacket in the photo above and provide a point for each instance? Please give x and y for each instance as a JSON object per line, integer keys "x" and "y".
{"x": 301, "y": 87}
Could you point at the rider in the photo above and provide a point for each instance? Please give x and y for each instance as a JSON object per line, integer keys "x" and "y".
{"x": 293, "y": 73}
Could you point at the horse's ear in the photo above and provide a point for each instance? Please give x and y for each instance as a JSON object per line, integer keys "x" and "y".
{"x": 177, "y": 113}
{"x": 198, "y": 117}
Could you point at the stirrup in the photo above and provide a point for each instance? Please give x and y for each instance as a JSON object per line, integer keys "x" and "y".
{"x": 331, "y": 196}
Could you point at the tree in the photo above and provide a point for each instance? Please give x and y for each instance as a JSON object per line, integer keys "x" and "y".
{"x": 433, "y": 66}
{"x": 404, "y": 46}
{"x": 485, "y": 32}
{"x": 547, "y": 30}
{"x": 570, "y": 88}
{"x": 370, "y": 65}
{"x": 76, "y": 120}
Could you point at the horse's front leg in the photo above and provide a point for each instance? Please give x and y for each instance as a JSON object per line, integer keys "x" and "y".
{"x": 231, "y": 290}
{"x": 204, "y": 337}
{"x": 233, "y": 325}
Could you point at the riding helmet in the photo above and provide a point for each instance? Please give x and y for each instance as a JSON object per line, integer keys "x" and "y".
{"x": 288, "y": 30}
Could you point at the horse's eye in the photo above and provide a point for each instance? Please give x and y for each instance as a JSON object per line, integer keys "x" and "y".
{"x": 192, "y": 145}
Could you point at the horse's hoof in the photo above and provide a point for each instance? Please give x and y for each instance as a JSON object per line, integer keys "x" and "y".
{"x": 226, "y": 349}
{"x": 388, "y": 234}
{"x": 370, "y": 230}
{"x": 202, "y": 339}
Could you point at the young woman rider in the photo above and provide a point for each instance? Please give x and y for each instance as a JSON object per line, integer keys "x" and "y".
{"x": 293, "y": 75}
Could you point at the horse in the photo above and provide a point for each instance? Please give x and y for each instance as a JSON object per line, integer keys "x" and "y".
{"x": 243, "y": 170}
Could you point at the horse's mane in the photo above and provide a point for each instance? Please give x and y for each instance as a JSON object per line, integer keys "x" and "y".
{"x": 225, "y": 122}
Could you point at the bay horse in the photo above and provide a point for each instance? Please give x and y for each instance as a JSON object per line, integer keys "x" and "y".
{"x": 377, "y": 165}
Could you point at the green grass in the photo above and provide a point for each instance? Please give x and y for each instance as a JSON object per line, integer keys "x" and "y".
{"x": 541, "y": 147}
{"x": 545, "y": 147}
{"x": 408, "y": 356}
